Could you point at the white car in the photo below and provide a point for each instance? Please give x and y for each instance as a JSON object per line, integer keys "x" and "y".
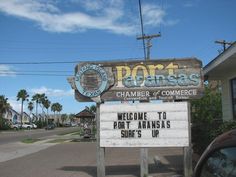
{"x": 15, "y": 126}
{"x": 27, "y": 126}
{"x": 34, "y": 126}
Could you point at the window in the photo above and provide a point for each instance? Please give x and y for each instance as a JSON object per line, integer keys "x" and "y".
{"x": 222, "y": 163}
{"x": 233, "y": 92}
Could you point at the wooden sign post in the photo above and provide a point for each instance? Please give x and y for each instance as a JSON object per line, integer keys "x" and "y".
{"x": 188, "y": 166}
{"x": 142, "y": 125}
{"x": 100, "y": 150}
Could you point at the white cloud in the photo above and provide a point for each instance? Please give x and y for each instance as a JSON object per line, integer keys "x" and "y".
{"x": 6, "y": 70}
{"x": 52, "y": 92}
{"x": 154, "y": 15}
{"x": 96, "y": 14}
{"x": 50, "y": 18}
{"x": 16, "y": 105}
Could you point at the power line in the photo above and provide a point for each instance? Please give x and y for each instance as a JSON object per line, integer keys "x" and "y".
{"x": 31, "y": 74}
{"x": 64, "y": 62}
{"x": 37, "y": 63}
{"x": 142, "y": 30}
{"x": 33, "y": 71}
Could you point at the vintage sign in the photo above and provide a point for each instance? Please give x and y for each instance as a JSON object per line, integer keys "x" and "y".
{"x": 91, "y": 80}
{"x": 139, "y": 80}
{"x": 144, "y": 125}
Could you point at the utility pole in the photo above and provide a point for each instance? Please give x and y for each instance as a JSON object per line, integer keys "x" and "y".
{"x": 224, "y": 43}
{"x": 148, "y": 38}
{"x": 144, "y": 151}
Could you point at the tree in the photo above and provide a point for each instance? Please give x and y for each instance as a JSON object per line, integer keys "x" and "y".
{"x": 30, "y": 107}
{"x": 63, "y": 118}
{"x": 36, "y": 98}
{"x": 92, "y": 108}
{"x": 71, "y": 117}
{"x": 59, "y": 107}
{"x": 22, "y": 95}
{"x": 206, "y": 114}
{"x": 56, "y": 107}
{"x": 46, "y": 103}
{"x": 4, "y": 106}
{"x": 42, "y": 100}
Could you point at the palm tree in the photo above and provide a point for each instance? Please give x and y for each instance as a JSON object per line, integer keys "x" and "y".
{"x": 56, "y": 107}
{"x": 93, "y": 108}
{"x": 59, "y": 108}
{"x": 46, "y": 103}
{"x": 23, "y": 96}
{"x": 64, "y": 117}
{"x": 71, "y": 117}
{"x": 30, "y": 107}
{"x": 36, "y": 98}
{"x": 42, "y": 99}
{"x": 4, "y": 106}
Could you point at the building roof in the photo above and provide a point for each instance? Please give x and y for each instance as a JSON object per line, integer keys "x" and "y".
{"x": 27, "y": 115}
{"x": 85, "y": 114}
{"x": 226, "y": 61}
{"x": 14, "y": 111}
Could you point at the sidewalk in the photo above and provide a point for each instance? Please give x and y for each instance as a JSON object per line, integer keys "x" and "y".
{"x": 15, "y": 150}
{"x": 18, "y": 149}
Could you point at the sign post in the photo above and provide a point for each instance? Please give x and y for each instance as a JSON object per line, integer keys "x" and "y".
{"x": 100, "y": 150}
{"x": 141, "y": 125}
{"x": 143, "y": 162}
{"x": 188, "y": 166}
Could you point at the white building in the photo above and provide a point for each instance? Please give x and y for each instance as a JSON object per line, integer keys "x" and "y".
{"x": 223, "y": 69}
{"x": 12, "y": 116}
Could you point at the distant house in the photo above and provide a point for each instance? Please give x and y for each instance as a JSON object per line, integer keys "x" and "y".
{"x": 86, "y": 118}
{"x": 26, "y": 118}
{"x": 33, "y": 117}
{"x": 41, "y": 117}
{"x": 53, "y": 118}
{"x": 12, "y": 116}
{"x": 223, "y": 69}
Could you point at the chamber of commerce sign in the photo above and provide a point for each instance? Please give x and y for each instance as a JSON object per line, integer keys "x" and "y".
{"x": 144, "y": 125}
{"x": 139, "y": 80}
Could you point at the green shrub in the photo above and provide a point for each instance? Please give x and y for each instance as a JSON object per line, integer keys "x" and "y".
{"x": 206, "y": 116}
{"x": 5, "y": 124}
{"x": 224, "y": 127}
{"x": 204, "y": 133}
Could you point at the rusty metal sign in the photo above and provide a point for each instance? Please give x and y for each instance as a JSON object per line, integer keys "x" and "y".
{"x": 173, "y": 79}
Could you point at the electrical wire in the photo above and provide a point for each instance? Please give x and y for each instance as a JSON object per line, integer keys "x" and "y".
{"x": 64, "y": 62}
{"x": 142, "y": 30}
{"x": 30, "y": 74}
{"x": 37, "y": 71}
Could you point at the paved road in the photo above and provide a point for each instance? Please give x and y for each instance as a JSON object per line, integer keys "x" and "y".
{"x": 79, "y": 160}
{"x": 14, "y": 136}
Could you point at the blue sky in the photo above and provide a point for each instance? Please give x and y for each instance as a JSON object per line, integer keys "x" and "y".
{"x": 87, "y": 30}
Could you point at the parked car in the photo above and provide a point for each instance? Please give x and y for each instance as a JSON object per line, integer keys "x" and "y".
{"x": 34, "y": 126}
{"x": 27, "y": 126}
{"x": 219, "y": 159}
{"x": 15, "y": 126}
{"x": 74, "y": 124}
{"x": 50, "y": 127}
{"x": 68, "y": 124}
